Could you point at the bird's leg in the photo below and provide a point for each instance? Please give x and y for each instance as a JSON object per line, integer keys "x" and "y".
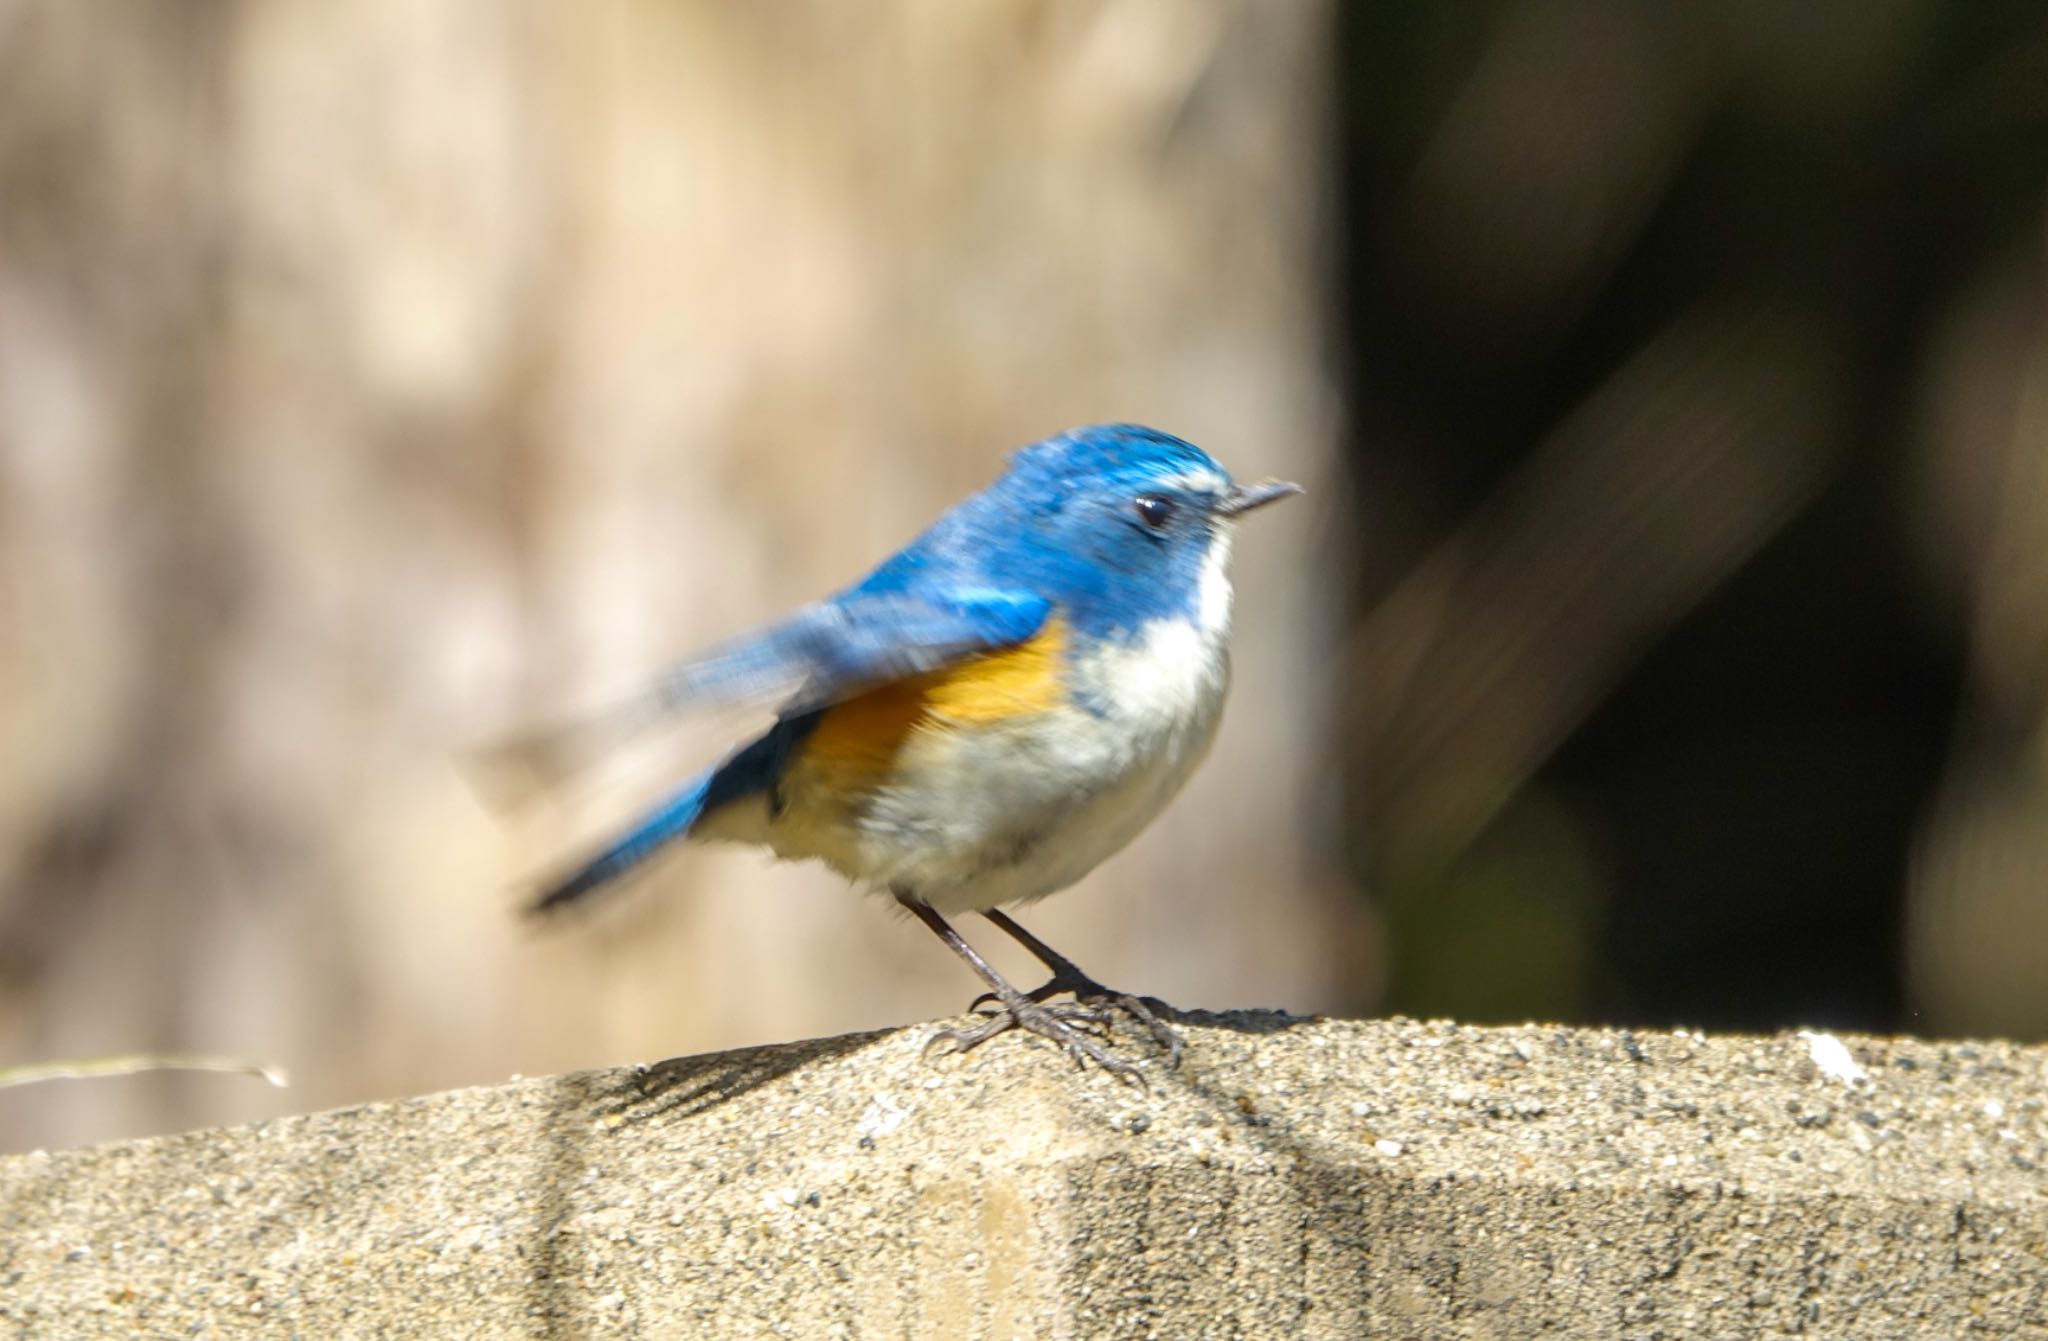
{"x": 1068, "y": 977}
{"x": 1055, "y": 1023}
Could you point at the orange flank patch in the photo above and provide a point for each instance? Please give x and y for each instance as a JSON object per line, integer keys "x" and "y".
{"x": 864, "y": 734}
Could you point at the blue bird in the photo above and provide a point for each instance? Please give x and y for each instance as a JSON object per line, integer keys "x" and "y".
{"x": 998, "y": 707}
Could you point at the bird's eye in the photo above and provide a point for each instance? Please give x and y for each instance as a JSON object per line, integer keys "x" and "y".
{"x": 1154, "y": 510}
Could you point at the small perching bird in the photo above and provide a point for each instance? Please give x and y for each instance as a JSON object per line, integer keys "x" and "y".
{"x": 997, "y": 708}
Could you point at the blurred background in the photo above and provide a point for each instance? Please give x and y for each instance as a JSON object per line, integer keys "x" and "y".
{"x": 1664, "y": 639}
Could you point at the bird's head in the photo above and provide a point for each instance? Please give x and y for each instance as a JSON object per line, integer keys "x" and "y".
{"x": 1126, "y": 523}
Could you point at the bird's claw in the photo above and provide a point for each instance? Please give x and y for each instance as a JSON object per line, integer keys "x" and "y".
{"x": 1146, "y": 1010}
{"x": 1089, "y": 1017}
{"x": 1104, "y": 1002}
{"x": 1067, "y": 1027}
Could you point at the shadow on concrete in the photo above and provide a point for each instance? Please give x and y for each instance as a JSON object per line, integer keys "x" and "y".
{"x": 593, "y": 1107}
{"x": 682, "y": 1087}
{"x": 1245, "y": 1021}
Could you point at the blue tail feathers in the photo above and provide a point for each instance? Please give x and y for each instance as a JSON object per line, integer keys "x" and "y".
{"x": 655, "y": 830}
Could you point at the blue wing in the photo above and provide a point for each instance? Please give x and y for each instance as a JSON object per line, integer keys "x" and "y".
{"x": 823, "y": 654}
{"x": 835, "y": 649}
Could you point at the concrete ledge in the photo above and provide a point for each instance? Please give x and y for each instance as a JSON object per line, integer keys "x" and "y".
{"x": 1296, "y": 1178}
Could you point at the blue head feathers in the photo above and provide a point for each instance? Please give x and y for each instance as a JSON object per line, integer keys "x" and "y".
{"x": 1111, "y": 523}
{"x": 1107, "y": 456}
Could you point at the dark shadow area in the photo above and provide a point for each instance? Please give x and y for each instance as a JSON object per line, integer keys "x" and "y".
{"x": 682, "y": 1087}
{"x": 1665, "y": 338}
{"x": 1247, "y": 1021}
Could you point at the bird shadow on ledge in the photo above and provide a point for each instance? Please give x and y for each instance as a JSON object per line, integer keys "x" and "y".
{"x": 680, "y": 1087}
{"x": 1247, "y": 1020}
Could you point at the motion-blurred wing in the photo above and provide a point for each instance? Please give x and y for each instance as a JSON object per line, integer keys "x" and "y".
{"x": 830, "y": 651}
{"x": 821, "y": 655}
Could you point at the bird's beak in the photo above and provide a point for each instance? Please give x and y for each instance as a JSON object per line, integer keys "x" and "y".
{"x": 1244, "y": 497}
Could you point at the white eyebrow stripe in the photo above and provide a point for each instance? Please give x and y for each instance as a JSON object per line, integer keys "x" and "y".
{"x": 1203, "y": 480}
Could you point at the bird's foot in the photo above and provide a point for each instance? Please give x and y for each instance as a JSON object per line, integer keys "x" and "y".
{"x": 1072, "y": 1027}
{"x": 1097, "y": 1003}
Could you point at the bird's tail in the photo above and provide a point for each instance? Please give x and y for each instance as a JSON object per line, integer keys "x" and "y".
{"x": 653, "y": 831}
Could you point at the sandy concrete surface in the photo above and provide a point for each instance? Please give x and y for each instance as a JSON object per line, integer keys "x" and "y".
{"x": 1295, "y": 1178}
